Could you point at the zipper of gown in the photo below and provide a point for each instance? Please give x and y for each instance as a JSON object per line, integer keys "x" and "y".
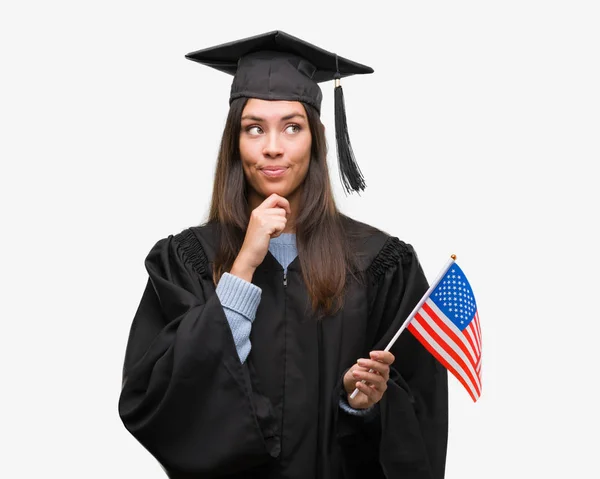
{"x": 284, "y": 355}
{"x": 320, "y": 393}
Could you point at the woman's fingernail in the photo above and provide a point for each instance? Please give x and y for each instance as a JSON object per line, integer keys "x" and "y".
{"x": 360, "y": 362}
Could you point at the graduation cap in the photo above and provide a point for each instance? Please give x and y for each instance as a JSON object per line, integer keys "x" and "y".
{"x": 279, "y": 66}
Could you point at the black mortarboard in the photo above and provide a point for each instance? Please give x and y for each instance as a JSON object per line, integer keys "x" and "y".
{"x": 278, "y": 66}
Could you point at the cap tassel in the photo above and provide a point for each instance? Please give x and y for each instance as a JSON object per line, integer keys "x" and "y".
{"x": 350, "y": 173}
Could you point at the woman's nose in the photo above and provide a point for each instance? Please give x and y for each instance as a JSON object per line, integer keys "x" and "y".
{"x": 272, "y": 146}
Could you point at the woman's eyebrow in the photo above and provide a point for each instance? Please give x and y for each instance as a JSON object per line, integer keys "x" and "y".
{"x": 293, "y": 115}
{"x": 283, "y": 118}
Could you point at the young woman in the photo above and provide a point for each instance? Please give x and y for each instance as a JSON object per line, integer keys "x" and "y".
{"x": 243, "y": 354}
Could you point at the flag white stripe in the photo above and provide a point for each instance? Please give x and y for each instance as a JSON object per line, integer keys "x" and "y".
{"x": 454, "y": 329}
{"x": 473, "y": 331}
{"x": 478, "y": 328}
{"x": 444, "y": 354}
{"x": 469, "y": 332}
{"x": 470, "y": 362}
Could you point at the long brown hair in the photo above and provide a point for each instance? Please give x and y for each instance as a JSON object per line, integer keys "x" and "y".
{"x": 324, "y": 253}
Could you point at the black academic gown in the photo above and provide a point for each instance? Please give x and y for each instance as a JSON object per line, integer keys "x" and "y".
{"x": 202, "y": 414}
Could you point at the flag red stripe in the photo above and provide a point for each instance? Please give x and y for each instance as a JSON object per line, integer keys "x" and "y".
{"x": 473, "y": 333}
{"x": 457, "y": 335}
{"x": 441, "y": 359}
{"x": 453, "y": 336}
{"x": 447, "y": 347}
{"x": 473, "y": 330}
{"x": 477, "y": 327}
{"x": 469, "y": 336}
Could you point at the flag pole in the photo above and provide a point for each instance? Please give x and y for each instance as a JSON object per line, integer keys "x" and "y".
{"x": 415, "y": 309}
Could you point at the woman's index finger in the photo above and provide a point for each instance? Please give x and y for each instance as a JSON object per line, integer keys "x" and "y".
{"x": 283, "y": 203}
{"x": 382, "y": 356}
{"x": 378, "y": 366}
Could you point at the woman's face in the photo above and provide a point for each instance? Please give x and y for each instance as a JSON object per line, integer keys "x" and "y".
{"x": 275, "y": 147}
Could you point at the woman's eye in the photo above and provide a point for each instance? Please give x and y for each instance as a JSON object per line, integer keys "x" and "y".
{"x": 254, "y": 130}
{"x": 293, "y": 128}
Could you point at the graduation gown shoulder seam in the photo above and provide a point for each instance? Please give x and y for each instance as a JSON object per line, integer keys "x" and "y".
{"x": 192, "y": 251}
{"x": 392, "y": 252}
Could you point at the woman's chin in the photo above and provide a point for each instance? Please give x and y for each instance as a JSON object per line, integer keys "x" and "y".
{"x": 281, "y": 190}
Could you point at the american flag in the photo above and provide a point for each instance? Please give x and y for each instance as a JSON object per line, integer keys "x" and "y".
{"x": 448, "y": 326}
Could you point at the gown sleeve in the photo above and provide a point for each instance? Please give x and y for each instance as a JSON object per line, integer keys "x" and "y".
{"x": 410, "y": 438}
{"x": 185, "y": 395}
{"x": 414, "y": 409}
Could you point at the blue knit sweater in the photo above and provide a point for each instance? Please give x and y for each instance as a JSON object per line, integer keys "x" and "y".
{"x": 240, "y": 300}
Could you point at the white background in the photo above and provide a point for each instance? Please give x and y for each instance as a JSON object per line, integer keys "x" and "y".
{"x": 477, "y": 135}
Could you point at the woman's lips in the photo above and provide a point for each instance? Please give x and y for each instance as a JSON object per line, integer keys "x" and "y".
{"x": 274, "y": 172}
